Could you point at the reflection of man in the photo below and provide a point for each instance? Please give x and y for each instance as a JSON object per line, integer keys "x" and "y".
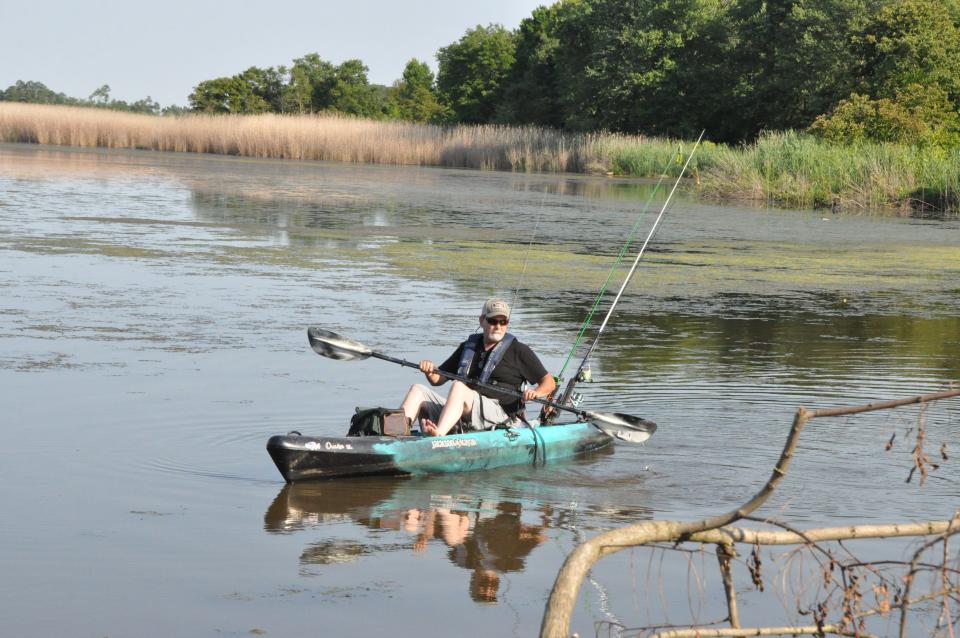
{"x": 494, "y": 357}
{"x": 484, "y": 585}
{"x": 453, "y": 526}
{"x": 498, "y": 544}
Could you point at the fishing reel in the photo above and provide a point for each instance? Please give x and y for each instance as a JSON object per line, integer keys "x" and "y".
{"x": 585, "y": 375}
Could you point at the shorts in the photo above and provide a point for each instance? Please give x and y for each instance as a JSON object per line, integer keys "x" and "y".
{"x": 485, "y": 413}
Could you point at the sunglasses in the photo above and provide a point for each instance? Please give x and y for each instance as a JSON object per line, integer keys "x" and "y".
{"x": 498, "y": 322}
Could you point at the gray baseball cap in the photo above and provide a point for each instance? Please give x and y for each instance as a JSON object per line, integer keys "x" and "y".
{"x": 496, "y": 308}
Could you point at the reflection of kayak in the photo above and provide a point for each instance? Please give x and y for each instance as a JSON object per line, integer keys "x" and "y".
{"x": 483, "y": 531}
{"x": 304, "y": 457}
{"x": 301, "y": 505}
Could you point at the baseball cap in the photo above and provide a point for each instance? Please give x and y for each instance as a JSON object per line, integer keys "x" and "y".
{"x": 496, "y": 308}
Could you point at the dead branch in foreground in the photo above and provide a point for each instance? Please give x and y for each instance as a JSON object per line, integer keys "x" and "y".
{"x": 556, "y": 620}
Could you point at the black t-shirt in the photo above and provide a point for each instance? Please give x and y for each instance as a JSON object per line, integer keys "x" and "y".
{"x": 517, "y": 365}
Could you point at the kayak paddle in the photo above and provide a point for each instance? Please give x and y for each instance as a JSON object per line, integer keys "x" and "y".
{"x": 621, "y": 426}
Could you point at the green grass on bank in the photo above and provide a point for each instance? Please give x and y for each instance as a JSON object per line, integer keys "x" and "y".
{"x": 781, "y": 169}
{"x": 790, "y": 169}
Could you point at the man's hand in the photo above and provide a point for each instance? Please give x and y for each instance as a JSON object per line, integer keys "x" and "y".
{"x": 544, "y": 389}
{"x": 430, "y": 370}
{"x": 531, "y": 393}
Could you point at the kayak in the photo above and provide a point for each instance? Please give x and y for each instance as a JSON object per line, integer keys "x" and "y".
{"x": 301, "y": 457}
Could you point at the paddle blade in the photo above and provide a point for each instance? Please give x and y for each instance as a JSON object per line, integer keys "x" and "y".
{"x": 625, "y": 427}
{"x": 630, "y": 436}
{"x": 333, "y": 346}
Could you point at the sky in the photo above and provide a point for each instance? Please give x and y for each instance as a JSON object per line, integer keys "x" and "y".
{"x": 164, "y": 49}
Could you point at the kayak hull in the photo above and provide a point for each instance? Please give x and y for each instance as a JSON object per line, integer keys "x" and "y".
{"x": 304, "y": 457}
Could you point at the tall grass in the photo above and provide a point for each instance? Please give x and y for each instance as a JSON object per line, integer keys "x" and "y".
{"x": 786, "y": 169}
{"x": 309, "y": 137}
{"x": 791, "y": 169}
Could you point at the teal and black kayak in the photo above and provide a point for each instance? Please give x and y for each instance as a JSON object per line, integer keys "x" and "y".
{"x": 305, "y": 457}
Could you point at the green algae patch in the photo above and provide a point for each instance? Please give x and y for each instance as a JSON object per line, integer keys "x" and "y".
{"x": 72, "y": 245}
{"x": 545, "y": 268}
{"x": 686, "y": 268}
{"x": 773, "y": 267}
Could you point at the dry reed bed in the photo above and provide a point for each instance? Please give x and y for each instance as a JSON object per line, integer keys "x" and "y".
{"x": 306, "y": 137}
{"x": 785, "y": 169}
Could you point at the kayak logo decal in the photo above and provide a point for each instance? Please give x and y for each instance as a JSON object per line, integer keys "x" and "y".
{"x": 453, "y": 443}
{"x": 313, "y": 446}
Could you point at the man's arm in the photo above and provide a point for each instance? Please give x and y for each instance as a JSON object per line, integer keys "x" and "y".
{"x": 544, "y": 388}
{"x": 430, "y": 371}
{"x": 450, "y": 365}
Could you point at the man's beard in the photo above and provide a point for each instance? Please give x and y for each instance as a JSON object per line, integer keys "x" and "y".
{"x": 495, "y": 337}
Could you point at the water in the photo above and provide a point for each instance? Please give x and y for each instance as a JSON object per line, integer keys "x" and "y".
{"x": 152, "y": 337}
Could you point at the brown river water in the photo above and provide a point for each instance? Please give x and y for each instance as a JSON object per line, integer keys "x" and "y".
{"x": 153, "y": 315}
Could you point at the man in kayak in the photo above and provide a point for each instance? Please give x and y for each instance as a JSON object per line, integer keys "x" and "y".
{"x": 494, "y": 357}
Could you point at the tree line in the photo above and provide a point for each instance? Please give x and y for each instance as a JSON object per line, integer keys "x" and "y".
{"x": 314, "y": 85}
{"x": 846, "y": 70}
{"x": 38, "y": 93}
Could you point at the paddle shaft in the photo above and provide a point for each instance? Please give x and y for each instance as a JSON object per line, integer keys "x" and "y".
{"x": 486, "y": 386}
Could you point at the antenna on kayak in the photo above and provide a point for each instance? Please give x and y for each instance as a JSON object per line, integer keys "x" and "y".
{"x": 526, "y": 258}
{"x": 584, "y": 364}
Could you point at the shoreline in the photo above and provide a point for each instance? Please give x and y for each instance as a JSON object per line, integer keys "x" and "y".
{"x": 788, "y": 169}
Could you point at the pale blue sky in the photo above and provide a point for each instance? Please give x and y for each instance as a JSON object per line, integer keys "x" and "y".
{"x": 165, "y": 48}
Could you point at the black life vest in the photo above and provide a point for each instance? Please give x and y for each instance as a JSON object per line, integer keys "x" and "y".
{"x": 472, "y": 345}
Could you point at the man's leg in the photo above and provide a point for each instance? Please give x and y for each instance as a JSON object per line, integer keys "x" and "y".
{"x": 459, "y": 404}
{"x": 487, "y": 413}
{"x": 419, "y": 399}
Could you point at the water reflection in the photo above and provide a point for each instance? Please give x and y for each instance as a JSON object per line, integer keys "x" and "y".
{"x": 163, "y": 299}
{"x": 484, "y": 533}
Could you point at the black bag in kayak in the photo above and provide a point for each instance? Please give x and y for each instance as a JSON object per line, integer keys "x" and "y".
{"x": 378, "y": 422}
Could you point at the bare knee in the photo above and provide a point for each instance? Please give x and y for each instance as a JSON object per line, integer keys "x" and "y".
{"x": 417, "y": 391}
{"x": 459, "y": 387}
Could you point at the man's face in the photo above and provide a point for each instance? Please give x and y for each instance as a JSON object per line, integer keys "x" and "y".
{"x": 494, "y": 328}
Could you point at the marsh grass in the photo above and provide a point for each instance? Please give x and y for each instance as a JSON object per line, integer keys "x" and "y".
{"x": 783, "y": 169}
{"x": 312, "y": 137}
{"x": 791, "y": 169}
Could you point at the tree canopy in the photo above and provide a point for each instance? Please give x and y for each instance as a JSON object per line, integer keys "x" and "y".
{"x": 851, "y": 70}
{"x": 38, "y": 93}
{"x": 472, "y": 72}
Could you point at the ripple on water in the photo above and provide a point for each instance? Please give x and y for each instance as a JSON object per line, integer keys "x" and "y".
{"x": 153, "y": 322}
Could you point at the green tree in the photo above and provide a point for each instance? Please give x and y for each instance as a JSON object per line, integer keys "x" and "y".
{"x": 918, "y": 115}
{"x": 911, "y": 42}
{"x": 145, "y": 105}
{"x": 619, "y": 61}
{"x": 412, "y": 98}
{"x": 174, "y": 110}
{"x": 351, "y": 93}
{"x": 226, "y": 95}
{"x": 908, "y": 78}
{"x": 530, "y": 94}
{"x": 794, "y": 59}
{"x": 312, "y": 80}
{"x": 268, "y": 84}
{"x": 34, "y": 93}
{"x": 472, "y": 71}
{"x": 101, "y": 95}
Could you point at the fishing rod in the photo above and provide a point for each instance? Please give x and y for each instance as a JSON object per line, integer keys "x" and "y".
{"x": 526, "y": 257}
{"x": 568, "y": 391}
{"x": 613, "y": 269}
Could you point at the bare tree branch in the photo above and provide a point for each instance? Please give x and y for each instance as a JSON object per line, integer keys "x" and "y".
{"x": 714, "y": 530}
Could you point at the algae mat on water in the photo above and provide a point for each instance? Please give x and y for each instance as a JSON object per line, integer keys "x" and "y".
{"x": 675, "y": 269}
{"x": 690, "y": 268}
